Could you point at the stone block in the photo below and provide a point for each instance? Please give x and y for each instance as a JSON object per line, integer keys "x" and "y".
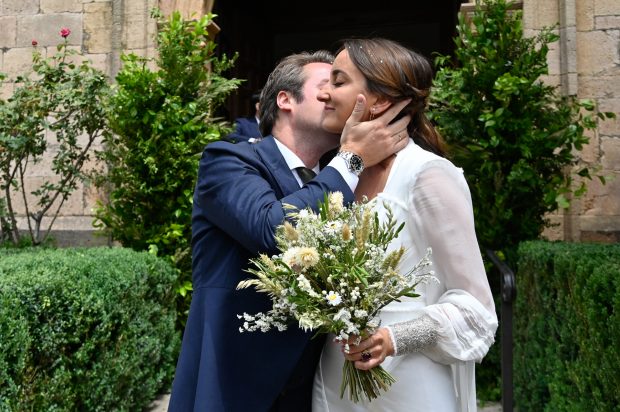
{"x": 591, "y": 151}
{"x": 592, "y": 87}
{"x": 68, "y": 222}
{"x": 72, "y": 58}
{"x": 73, "y": 204}
{"x": 597, "y": 52}
{"x": 610, "y": 127}
{"x": 17, "y": 61}
{"x": 135, "y": 32}
{"x": 6, "y": 90}
{"x": 568, "y": 52}
{"x": 100, "y": 62}
{"x": 607, "y": 223}
{"x": 610, "y": 153}
{"x": 8, "y": 7}
{"x": 61, "y": 6}
{"x": 98, "y": 27}
{"x": 606, "y": 7}
{"x": 554, "y": 80}
{"x": 45, "y": 28}
{"x": 584, "y": 13}
{"x": 602, "y": 200}
{"x": 136, "y": 7}
{"x": 555, "y": 230}
{"x": 554, "y": 59}
{"x": 539, "y": 14}
{"x": 607, "y": 22}
{"x": 568, "y": 13}
{"x": 7, "y": 33}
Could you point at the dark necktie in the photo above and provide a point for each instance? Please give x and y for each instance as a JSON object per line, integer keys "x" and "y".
{"x": 305, "y": 174}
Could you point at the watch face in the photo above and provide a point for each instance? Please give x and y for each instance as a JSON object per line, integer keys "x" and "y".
{"x": 356, "y": 163}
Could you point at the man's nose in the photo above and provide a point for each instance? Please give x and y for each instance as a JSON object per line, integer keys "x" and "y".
{"x": 322, "y": 96}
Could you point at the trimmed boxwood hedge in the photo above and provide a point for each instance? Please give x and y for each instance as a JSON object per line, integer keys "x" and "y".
{"x": 85, "y": 329}
{"x": 567, "y": 333}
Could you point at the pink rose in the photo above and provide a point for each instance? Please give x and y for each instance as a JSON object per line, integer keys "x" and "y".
{"x": 65, "y": 32}
{"x": 34, "y": 42}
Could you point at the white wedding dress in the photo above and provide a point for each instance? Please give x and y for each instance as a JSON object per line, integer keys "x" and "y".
{"x": 431, "y": 195}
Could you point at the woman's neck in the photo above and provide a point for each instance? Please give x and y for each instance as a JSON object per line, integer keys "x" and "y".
{"x": 373, "y": 179}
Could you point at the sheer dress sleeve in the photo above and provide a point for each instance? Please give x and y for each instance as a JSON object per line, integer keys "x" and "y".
{"x": 459, "y": 322}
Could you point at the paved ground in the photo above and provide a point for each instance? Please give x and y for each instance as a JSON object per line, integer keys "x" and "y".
{"x": 161, "y": 405}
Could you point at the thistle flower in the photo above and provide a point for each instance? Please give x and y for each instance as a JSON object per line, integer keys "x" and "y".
{"x": 308, "y": 257}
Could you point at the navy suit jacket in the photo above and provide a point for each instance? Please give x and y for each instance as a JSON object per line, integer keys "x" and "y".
{"x": 238, "y": 203}
{"x": 246, "y": 129}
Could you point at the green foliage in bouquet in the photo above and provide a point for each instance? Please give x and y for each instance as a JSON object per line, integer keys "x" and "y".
{"x": 161, "y": 119}
{"x": 85, "y": 329}
{"x": 335, "y": 272}
{"x": 513, "y": 135}
{"x": 57, "y": 111}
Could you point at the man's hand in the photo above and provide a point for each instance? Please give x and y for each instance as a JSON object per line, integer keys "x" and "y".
{"x": 376, "y": 139}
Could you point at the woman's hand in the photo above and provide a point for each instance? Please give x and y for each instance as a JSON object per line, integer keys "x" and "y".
{"x": 372, "y": 351}
{"x": 377, "y": 139}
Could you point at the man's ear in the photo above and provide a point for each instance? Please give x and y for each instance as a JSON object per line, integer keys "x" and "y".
{"x": 284, "y": 100}
{"x": 380, "y": 105}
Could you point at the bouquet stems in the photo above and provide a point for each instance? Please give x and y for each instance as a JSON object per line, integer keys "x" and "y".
{"x": 367, "y": 384}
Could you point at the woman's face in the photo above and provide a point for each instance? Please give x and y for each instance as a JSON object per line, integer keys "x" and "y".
{"x": 339, "y": 95}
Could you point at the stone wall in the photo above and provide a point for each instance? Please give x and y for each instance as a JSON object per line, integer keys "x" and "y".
{"x": 101, "y": 30}
{"x": 586, "y": 63}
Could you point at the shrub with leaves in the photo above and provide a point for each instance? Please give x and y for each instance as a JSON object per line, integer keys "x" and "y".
{"x": 514, "y": 135}
{"x": 62, "y": 99}
{"x": 161, "y": 119}
{"x": 85, "y": 329}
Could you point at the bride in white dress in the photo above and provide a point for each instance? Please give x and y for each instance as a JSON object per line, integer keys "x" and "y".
{"x": 430, "y": 343}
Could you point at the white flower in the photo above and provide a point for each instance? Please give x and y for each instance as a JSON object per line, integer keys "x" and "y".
{"x": 333, "y": 298}
{"x": 301, "y": 257}
{"x": 290, "y": 256}
{"x": 304, "y": 284}
{"x": 343, "y": 314}
{"x": 360, "y": 313}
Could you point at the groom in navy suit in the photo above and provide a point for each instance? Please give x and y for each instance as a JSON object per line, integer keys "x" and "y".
{"x": 238, "y": 203}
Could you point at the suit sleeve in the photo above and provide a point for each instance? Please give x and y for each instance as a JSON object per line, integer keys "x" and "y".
{"x": 237, "y": 135}
{"x": 235, "y": 192}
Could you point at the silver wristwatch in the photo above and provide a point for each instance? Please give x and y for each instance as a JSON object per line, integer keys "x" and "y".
{"x": 354, "y": 162}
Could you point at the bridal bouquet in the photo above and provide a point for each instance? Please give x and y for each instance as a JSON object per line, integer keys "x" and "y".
{"x": 333, "y": 275}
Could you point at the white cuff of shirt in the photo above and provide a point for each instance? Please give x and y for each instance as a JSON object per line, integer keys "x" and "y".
{"x": 340, "y": 165}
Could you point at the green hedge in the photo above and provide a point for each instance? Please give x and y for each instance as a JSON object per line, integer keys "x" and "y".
{"x": 85, "y": 329}
{"x": 567, "y": 332}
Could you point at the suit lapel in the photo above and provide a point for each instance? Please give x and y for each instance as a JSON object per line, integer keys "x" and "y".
{"x": 282, "y": 176}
